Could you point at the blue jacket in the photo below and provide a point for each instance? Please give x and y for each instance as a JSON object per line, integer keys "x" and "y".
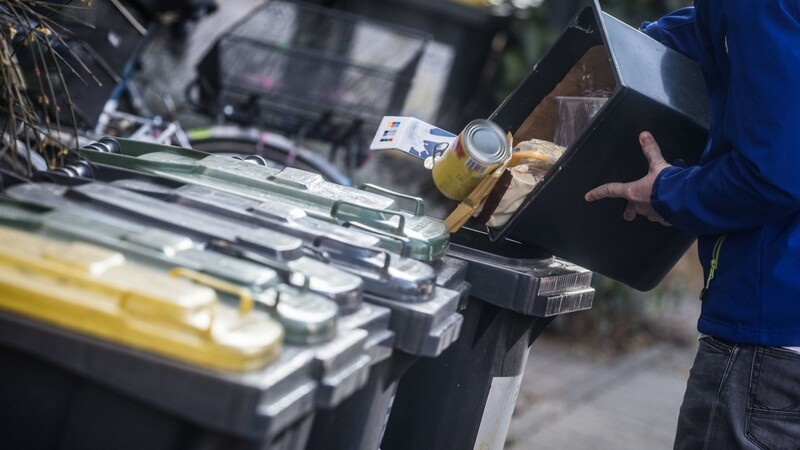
{"x": 743, "y": 199}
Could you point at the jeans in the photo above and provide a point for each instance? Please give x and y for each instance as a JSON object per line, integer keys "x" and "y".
{"x": 741, "y": 397}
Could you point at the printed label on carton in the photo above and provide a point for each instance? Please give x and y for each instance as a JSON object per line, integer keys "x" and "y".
{"x": 412, "y": 136}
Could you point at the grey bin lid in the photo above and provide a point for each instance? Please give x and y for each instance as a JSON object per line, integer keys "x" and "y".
{"x": 653, "y": 88}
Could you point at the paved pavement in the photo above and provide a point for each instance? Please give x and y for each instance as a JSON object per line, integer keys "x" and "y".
{"x": 569, "y": 400}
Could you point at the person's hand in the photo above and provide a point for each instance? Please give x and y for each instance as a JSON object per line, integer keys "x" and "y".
{"x": 637, "y": 193}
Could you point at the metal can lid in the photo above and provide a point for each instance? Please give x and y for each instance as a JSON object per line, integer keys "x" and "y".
{"x": 486, "y": 141}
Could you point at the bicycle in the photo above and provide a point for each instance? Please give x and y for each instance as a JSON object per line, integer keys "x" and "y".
{"x": 274, "y": 147}
{"x": 124, "y": 111}
{"x": 97, "y": 47}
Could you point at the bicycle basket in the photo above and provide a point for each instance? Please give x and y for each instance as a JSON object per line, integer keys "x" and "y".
{"x": 289, "y": 64}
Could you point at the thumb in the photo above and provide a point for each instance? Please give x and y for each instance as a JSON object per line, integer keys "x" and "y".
{"x": 651, "y": 150}
{"x": 630, "y": 212}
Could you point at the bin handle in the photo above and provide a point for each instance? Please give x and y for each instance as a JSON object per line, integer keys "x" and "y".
{"x": 246, "y": 301}
{"x": 419, "y": 204}
{"x": 337, "y": 205}
{"x": 404, "y": 241}
{"x": 386, "y": 257}
{"x": 318, "y": 253}
{"x": 234, "y": 250}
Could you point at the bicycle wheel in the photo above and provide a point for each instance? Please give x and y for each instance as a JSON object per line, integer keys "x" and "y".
{"x": 275, "y": 148}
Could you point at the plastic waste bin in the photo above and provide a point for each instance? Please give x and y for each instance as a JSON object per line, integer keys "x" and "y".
{"x": 64, "y": 390}
{"x": 341, "y": 364}
{"x": 410, "y": 233}
{"x": 464, "y": 399}
{"x": 98, "y": 353}
{"x": 360, "y": 421}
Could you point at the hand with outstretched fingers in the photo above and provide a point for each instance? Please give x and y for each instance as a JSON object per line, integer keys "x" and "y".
{"x": 637, "y": 193}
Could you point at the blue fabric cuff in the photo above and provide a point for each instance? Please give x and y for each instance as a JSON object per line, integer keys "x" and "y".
{"x": 660, "y": 207}
{"x": 652, "y": 29}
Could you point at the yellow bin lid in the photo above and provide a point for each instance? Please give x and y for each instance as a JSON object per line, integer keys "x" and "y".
{"x": 95, "y": 291}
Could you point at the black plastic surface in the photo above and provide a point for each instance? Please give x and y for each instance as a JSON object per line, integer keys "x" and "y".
{"x": 64, "y": 390}
{"x": 440, "y": 402}
{"x": 359, "y": 421}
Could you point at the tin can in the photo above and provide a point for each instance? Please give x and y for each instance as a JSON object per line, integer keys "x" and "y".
{"x": 481, "y": 148}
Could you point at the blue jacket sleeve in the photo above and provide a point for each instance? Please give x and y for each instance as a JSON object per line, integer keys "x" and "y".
{"x": 676, "y": 30}
{"x": 756, "y": 178}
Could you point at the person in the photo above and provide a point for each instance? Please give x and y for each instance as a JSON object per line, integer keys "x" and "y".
{"x": 742, "y": 200}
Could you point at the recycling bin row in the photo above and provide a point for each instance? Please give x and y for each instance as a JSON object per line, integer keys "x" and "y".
{"x": 308, "y": 280}
{"x": 159, "y": 297}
